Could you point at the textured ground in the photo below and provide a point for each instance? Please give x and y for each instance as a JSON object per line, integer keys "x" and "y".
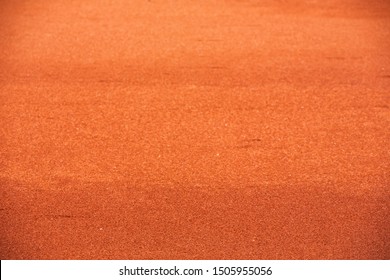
{"x": 194, "y": 129}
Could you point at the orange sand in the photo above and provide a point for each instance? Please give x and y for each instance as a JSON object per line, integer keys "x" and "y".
{"x": 194, "y": 129}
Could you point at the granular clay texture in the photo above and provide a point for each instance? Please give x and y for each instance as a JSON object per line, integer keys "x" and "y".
{"x": 219, "y": 129}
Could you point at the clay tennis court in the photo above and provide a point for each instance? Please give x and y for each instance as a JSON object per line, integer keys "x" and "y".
{"x": 194, "y": 129}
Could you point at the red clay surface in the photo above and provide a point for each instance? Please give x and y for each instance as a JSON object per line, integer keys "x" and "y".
{"x": 194, "y": 129}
